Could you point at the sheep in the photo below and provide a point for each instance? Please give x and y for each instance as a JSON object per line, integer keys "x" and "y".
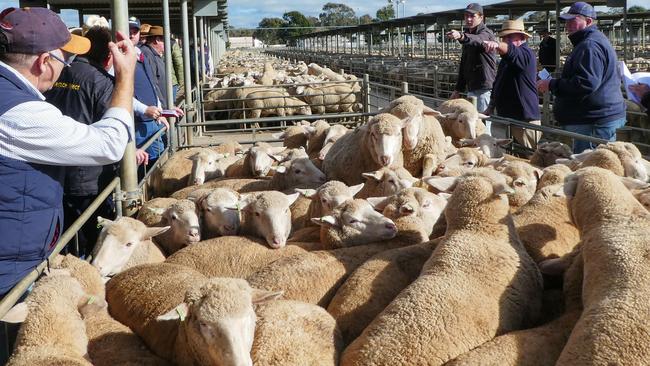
{"x": 315, "y": 69}
{"x": 614, "y": 228}
{"x": 52, "y": 330}
{"x": 413, "y": 201}
{"x": 327, "y": 197}
{"x": 295, "y": 333}
{"x": 185, "y": 317}
{"x": 374, "y": 284}
{"x": 293, "y": 136}
{"x": 315, "y": 276}
{"x": 125, "y": 243}
{"x": 256, "y": 163}
{"x": 369, "y": 147}
{"x": 465, "y": 158}
{"x": 478, "y": 283}
{"x": 173, "y": 175}
{"x": 271, "y": 103}
{"x": 317, "y": 134}
{"x": 548, "y": 152}
{"x": 488, "y": 144}
{"x": 151, "y": 212}
{"x": 622, "y": 158}
{"x": 460, "y": 119}
{"x": 424, "y": 141}
{"x": 539, "y": 346}
{"x": 334, "y": 133}
{"x": 206, "y": 165}
{"x": 183, "y": 219}
{"x": 109, "y": 342}
{"x": 385, "y": 182}
{"x": 643, "y": 196}
{"x": 218, "y": 219}
{"x": 523, "y": 178}
{"x": 331, "y": 98}
{"x": 553, "y": 174}
{"x": 269, "y": 75}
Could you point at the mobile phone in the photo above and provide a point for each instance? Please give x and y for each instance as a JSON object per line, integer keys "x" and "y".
{"x": 169, "y": 113}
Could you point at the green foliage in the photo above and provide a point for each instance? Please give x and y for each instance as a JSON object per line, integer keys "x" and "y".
{"x": 365, "y": 19}
{"x": 386, "y": 13}
{"x": 270, "y": 36}
{"x": 637, "y": 9}
{"x": 337, "y": 15}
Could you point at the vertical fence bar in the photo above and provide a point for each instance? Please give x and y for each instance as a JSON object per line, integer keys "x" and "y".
{"x": 168, "y": 70}
{"x": 366, "y": 93}
{"x": 201, "y": 50}
{"x": 189, "y": 105}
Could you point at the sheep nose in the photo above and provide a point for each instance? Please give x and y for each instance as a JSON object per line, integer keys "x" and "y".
{"x": 406, "y": 210}
{"x": 385, "y": 160}
{"x": 198, "y": 181}
{"x": 391, "y": 226}
{"x": 277, "y": 242}
{"x": 440, "y": 168}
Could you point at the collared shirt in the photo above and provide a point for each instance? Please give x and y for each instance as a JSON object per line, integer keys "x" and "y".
{"x": 37, "y": 132}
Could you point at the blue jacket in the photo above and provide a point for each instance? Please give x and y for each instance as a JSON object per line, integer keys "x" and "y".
{"x": 515, "y": 90}
{"x": 145, "y": 91}
{"x": 31, "y": 212}
{"x": 589, "y": 90}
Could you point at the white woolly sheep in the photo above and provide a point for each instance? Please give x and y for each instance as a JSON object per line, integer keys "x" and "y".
{"x": 183, "y": 219}
{"x": 334, "y": 133}
{"x": 218, "y": 219}
{"x": 206, "y": 165}
{"x": 523, "y": 179}
{"x": 327, "y": 197}
{"x": 270, "y": 103}
{"x": 386, "y": 181}
{"x": 465, "y": 158}
{"x": 548, "y": 152}
{"x": 293, "y": 136}
{"x": 488, "y": 144}
{"x": 317, "y": 133}
{"x": 460, "y": 119}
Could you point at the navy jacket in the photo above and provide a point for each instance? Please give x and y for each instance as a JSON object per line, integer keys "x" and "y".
{"x": 31, "y": 211}
{"x": 547, "y": 53}
{"x": 645, "y": 102}
{"x": 157, "y": 66}
{"x": 589, "y": 90}
{"x": 515, "y": 90}
{"x": 84, "y": 92}
{"x": 477, "y": 67}
{"x": 146, "y": 92}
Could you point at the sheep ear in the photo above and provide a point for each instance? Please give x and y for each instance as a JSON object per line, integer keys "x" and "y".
{"x": 378, "y": 203}
{"x": 444, "y": 195}
{"x": 467, "y": 142}
{"x": 279, "y": 135}
{"x": 157, "y": 210}
{"x": 17, "y": 314}
{"x": 582, "y": 156}
{"x": 503, "y": 142}
{"x": 553, "y": 267}
{"x": 569, "y": 187}
{"x": 376, "y": 175}
{"x": 564, "y": 161}
{"x": 262, "y": 296}
{"x": 150, "y": 232}
{"x": 442, "y": 184}
{"x": 356, "y": 189}
{"x": 429, "y": 111}
{"x": 311, "y": 130}
{"x": 102, "y": 222}
{"x": 538, "y": 173}
{"x": 177, "y": 313}
{"x": 307, "y": 193}
{"x": 279, "y": 169}
{"x": 277, "y": 150}
{"x": 327, "y": 220}
{"x": 292, "y": 198}
{"x": 193, "y": 156}
{"x": 483, "y": 116}
{"x": 632, "y": 183}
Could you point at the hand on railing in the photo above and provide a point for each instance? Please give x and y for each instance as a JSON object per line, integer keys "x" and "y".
{"x": 164, "y": 121}
{"x": 141, "y": 157}
{"x": 153, "y": 112}
{"x": 180, "y": 111}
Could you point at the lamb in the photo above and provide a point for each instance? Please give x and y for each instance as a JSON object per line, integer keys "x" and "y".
{"x": 315, "y": 69}
{"x": 622, "y": 158}
{"x": 489, "y": 145}
{"x": 386, "y": 181}
{"x": 218, "y": 219}
{"x": 293, "y": 136}
{"x": 460, "y": 119}
{"x": 424, "y": 141}
{"x": 315, "y": 276}
{"x": 269, "y": 75}
{"x": 332, "y": 98}
{"x": 614, "y": 229}
{"x": 257, "y": 161}
{"x": 317, "y": 134}
{"x": 484, "y": 284}
{"x": 53, "y": 331}
{"x": 151, "y": 212}
{"x": 183, "y": 219}
{"x": 327, "y": 197}
{"x": 334, "y": 133}
{"x": 206, "y": 165}
{"x": 523, "y": 179}
{"x": 374, "y": 284}
{"x": 295, "y": 333}
{"x": 548, "y": 152}
{"x": 465, "y": 158}
{"x": 125, "y": 243}
{"x": 369, "y": 147}
{"x": 271, "y": 103}
{"x": 553, "y": 174}
{"x": 185, "y": 317}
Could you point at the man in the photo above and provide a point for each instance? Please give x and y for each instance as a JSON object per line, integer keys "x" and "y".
{"x": 83, "y": 92}
{"x": 178, "y": 76}
{"x": 588, "y": 97}
{"x": 547, "y": 50}
{"x": 153, "y": 51}
{"x": 514, "y": 94}
{"x": 36, "y": 140}
{"x": 147, "y": 105}
{"x": 478, "y": 67}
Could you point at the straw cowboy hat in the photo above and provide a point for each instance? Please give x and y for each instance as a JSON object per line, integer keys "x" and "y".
{"x": 155, "y": 30}
{"x": 512, "y": 26}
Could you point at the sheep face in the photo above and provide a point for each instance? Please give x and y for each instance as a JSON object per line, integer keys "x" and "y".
{"x": 183, "y": 218}
{"x": 487, "y": 144}
{"x": 385, "y": 141}
{"x": 464, "y": 158}
{"x": 412, "y": 202}
{"x": 204, "y": 166}
{"x": 262, "y": 158}
{"x": 359, "y": 222}
{"x": 218, "y": 321}
{"x": 301, "y": 172}
{"x": 389, "y": 181}
{"x": 117, "y": 241}
{"x": 333, "y": 134}
{"x": 548, "y": 152}
{"x": 217, "y": 217}
{"x": 331, "y": 194}
{"x": 269, "y": 215}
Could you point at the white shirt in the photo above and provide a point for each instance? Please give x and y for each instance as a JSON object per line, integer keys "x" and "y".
{"x": 37, "y": 132}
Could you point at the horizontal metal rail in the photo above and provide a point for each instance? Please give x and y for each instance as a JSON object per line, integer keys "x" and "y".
{"x": 277, "y": 119}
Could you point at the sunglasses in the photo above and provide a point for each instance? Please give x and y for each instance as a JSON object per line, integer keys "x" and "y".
{"x": 67, "y": 62}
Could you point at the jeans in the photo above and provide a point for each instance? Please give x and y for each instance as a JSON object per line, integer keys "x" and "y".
{"x": 175, "y": 89}
{"x": 482, "y": 102}
{"x": 605, "y": 131}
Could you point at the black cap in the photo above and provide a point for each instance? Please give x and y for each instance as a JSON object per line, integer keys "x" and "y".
{"x": 474, "y": 8}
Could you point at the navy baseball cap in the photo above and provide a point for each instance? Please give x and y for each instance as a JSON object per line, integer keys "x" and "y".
{"x": 474, "y": 8}
{"x": 579, "y": 8}
{"x": 37, "y": 30}
{"x": 134, "y": 22}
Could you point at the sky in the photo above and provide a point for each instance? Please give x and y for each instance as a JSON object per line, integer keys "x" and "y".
{"x": 248, "y": 13}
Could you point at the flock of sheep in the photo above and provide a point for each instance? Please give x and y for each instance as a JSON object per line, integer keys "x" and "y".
{"x": 410, "y": 240}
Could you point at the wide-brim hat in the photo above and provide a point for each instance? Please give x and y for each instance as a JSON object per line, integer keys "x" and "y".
{"x": 144, "y": 29}
{"x": 155, "y": 30}
{"x": 511, "y": 27}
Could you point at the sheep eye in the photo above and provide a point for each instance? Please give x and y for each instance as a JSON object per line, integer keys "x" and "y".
{"x": 353, "y": 221}
{"x": 257, "y": 214}
{"x": 391, "y": 181}
{"x": 520, "y": 184}
{"x": 129, "y": 244}
{"x": 174, "y": 217}
{"x": 324, "y": 200}
{"x": 298, "y": 171}
{"x": 469, "y": 163}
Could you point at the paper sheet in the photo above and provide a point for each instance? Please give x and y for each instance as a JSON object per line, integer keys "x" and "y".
{"x": 631, "y": 79}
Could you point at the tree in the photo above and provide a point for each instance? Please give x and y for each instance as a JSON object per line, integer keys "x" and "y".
{"x": 313, "y": 21}
{"x": 365, "y": 19}
{"x": 637, "y": 9}
{"x": 295, "y": 19}
{"x": 386, "y": 13}
{"x": 269, "y": 36}
{"x": 337, "y": 15}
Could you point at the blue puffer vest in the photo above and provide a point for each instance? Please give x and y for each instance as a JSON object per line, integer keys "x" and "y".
{"x": 145, "y": 92}
{"x": 31, "y": 211}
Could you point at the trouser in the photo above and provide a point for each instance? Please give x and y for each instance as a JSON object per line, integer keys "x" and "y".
{"x": 73, "y": 207}
{"x": 605, "y": 131}
{"x": 522, "y": 136}
{"x": 482, "y": 102}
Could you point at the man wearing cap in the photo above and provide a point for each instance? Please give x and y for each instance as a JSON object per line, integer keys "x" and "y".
{"x": 478, "y": 67}
{"x": 588, "y": 97}
{"x": 546, "y": 52}
{"x": 514, "y": 94}
{"x": 36, "y": 140}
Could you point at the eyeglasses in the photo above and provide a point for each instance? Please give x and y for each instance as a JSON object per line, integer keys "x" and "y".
{"x": 66, "y": 63}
